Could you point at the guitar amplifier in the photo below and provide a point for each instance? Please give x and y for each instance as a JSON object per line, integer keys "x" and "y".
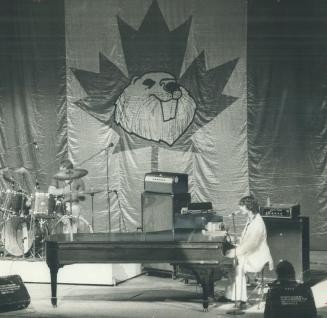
{"x": 288, "y": 239}
{"x": 166, "y": 182}
{"x": 282, "y": 211}
{"x": 13, "y": 293}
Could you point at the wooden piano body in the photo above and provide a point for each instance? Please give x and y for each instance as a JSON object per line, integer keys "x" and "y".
{"x": 202, "y": 254}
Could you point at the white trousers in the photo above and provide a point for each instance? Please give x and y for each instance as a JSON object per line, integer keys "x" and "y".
{"x": 236, "y": 287}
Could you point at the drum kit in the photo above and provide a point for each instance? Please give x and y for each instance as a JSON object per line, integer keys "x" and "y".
{"x": 26, "y": 220}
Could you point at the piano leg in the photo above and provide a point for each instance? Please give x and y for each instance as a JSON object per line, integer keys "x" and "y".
{"x": 53, "y": 273}
{"x": 205, "y": 277}
{"x": 205, "y": 293}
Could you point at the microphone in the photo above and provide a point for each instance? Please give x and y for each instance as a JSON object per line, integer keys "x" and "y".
{"x": 36, "y": 146}
{"x": 109, "y": 146}
{"x": 234, "y": 213}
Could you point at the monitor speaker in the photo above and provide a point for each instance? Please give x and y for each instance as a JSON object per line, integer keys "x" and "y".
{"x": 13, "y": 293}
{"x": 288, "y": 239}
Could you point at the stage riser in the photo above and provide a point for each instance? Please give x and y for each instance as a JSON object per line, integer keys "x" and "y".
{"x": 93, "y": 274}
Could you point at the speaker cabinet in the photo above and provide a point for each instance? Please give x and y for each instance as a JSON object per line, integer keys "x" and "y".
{"x": 13, "y": 293}
{"x": 288, "y": 239}
{"x": 158, "y": 210}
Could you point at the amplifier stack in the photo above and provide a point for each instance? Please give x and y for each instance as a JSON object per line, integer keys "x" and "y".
{"x": 288, "y": 238}
{"x": 165, "y": 195}
{"x": 166, "y": 204}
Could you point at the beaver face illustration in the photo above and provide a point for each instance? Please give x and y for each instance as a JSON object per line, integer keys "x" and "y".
{"x": 155, "y": 107}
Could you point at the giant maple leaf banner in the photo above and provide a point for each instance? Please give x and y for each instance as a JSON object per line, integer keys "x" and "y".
{"x": 155, "y": 101}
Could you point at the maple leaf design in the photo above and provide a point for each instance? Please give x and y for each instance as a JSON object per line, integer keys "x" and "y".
{"x": 154, "y": 48}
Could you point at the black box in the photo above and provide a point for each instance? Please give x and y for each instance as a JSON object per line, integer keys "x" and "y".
{"x": 158, "y": 210}
{"x": 13, "y": 293}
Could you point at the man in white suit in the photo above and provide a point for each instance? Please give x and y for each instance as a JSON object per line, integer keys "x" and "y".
{"x": 251, "y": 254}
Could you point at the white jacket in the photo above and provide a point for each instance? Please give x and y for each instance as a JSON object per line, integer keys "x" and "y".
{"x": 253, "y": 250}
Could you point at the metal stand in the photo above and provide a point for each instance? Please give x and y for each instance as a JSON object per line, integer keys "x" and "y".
{"x": 92, "y": 209}
{"x": 71, "y": 211}
{"x": 108, "y": 191}
{"x": 106, "y": 149}
{"x": 5, "y": 218}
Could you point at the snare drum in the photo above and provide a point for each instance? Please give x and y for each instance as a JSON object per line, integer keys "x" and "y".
{"x": 13, "y": 202}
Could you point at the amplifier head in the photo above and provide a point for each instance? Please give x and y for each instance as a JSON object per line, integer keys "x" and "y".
{"x": 166, "y": 182}
{"x": 284, "y": 211}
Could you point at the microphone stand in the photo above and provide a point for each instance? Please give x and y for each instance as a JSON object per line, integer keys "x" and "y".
{"x": 235, "y": 311}
{"x": 106, "y": 149}
{"x": 107, "y": 179}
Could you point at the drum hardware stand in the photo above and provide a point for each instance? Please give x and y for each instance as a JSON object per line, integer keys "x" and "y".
{"x": 6, "y": 217}
{"x": 25, "y": 237}
{"x": 69, "y": 175}
{"x": 34, "y": 233}
{"x": 92, "y": 207}
{"x": 41, "y": 222}
{"x": 71, "y": 210}
{"x": 69, "y": 215}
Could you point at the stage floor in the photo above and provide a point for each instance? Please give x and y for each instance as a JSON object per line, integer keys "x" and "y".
{"x": 151, "y": 297}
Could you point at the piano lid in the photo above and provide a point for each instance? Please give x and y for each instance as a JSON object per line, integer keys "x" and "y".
{"x": 179, "y": 235}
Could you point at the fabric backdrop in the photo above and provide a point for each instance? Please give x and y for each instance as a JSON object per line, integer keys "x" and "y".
{"x": 254, "y": 74}
{"x": 109, "y": 43}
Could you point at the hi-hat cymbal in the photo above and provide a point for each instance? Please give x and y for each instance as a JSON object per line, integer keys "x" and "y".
{"x": 92, "y": 191}
{"x": 70, "y": 174}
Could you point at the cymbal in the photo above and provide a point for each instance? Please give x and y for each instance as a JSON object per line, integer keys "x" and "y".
{"x": 70, "y": 174}
{"x": 8, "y": 179}
{"x": 21, "y": 170}
{"x": 92, "y": 191}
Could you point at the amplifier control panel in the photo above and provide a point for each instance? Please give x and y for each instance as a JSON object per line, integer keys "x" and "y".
{"x": 284, "y": 211}
{"x": 166, "y": 182}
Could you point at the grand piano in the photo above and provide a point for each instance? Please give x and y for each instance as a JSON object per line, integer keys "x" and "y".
{"x": 192, "y": 250}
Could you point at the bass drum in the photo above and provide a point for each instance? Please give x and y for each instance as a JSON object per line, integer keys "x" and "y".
{"x": 21, "y": 235}
{"x": 67, "y": 224}
{"x": 17, "y": 236}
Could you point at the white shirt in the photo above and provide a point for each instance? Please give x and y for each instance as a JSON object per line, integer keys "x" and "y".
{"x": 253, "y": 249}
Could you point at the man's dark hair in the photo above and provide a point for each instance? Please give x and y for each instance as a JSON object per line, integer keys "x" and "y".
{"x": 250, "y": 203}
{"x": 285, "y": 271}
{"x": 66, "y": 163}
